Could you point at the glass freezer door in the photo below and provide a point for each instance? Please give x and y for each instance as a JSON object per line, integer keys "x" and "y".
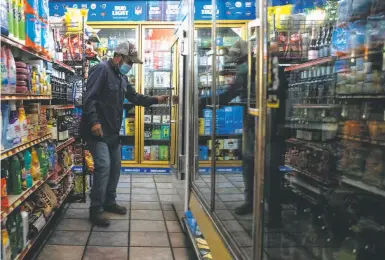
{"x": 156, "y": 76}
{"x": 129, "y": 138}
{"x": 324, "y": 185}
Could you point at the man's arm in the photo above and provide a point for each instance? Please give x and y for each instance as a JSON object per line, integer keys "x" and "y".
{"x": 96, "y": 79}
{"x": 139, "y": 99}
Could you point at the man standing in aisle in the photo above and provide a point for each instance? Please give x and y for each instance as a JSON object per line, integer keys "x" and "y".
{"x": 107, "y": 86}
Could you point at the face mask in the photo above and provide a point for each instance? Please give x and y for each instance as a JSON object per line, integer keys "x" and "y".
{"x": 124, "y": 68}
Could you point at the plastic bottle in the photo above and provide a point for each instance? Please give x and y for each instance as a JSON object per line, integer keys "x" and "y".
{"x": 42, "y": 161}
{"x": 25, "y": 225}
{"x": 12, "y": 231}
{"x": 11, "y": 68}
{"x": 4, "y": 70}
{"x": 13, "y": 133}
{"x": 23, "y": 175}
{"x": 6, "y": 253}
{"x": 7, "y": 143}
{"x": 35, "y": 167}
{"x": 27, "y": 165}
{"x": 15, "y": 19}
{"x": 23, "y": 125}
{"x": 15, "y": 172}
{"x": 21, "y": 21}
{"x": 10, "y": 19}
{"x": 4, "y": 17}
{"x": 4, "y": 192}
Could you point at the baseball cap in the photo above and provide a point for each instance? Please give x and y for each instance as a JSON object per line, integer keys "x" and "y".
{"x": 237, "y": 52}
{"x": 129, "y": 50}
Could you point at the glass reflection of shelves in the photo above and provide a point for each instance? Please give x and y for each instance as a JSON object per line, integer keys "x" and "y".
{"x": 363, "y": 186}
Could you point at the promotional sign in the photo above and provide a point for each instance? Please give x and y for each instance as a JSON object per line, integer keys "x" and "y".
{"x": 126, "y": 11}
{"x": 105, "y": 11}
{"x": 226, "y": 10}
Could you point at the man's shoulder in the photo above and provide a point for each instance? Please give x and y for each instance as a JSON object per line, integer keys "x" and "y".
{"x": 101, "y": 67}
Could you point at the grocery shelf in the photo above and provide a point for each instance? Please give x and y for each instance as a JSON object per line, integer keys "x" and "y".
{"x": 362, "y": 139}
{"x": 15, "y": 44}
{"x": 61, "y": 177}
{"x": 22, "y": 96}
{"x": 312, "y": 63}
{"x": 127, "y": 135}
{"x": 7, "y": 153}
{"x": 59, "y": 107}
{"x": 151, "y": 139}
{"x": 362, "y": 96}
{"x": 16, "y": 200}
{"x": 65, "y": 144}
{"x": 222, "y": 135}
{"x": 310, "y": 175}
{"x": 31, "y": 243}
{"x": 363, "y": 186}
{"x": 321, "y": 106}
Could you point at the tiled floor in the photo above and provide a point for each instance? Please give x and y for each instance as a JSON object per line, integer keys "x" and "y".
{"x": 150, "y": 230}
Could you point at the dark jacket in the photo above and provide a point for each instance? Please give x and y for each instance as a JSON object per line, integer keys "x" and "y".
{"x": 103, "y": 101}
{"x": 237, "y": 88}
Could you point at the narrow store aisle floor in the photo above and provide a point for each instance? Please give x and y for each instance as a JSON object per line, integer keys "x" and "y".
{"x": 150, "y": 230}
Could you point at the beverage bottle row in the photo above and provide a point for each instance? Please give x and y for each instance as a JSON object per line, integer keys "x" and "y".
{"x": 320, "y": 42}
{"x": 61, "y": 88}
{"x": 313, "y": 86}
{"x": 157, "y": 115}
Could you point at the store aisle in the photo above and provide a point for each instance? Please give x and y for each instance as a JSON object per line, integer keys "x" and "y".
{"x": 150, "y": 230}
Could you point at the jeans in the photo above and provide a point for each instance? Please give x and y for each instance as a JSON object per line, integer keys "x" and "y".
{"x": 248, "y": 157}
{"x": 107, "y": 162}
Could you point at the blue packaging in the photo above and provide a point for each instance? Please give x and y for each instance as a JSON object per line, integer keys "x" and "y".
{"x": 340, "y": 41}
{"x": 238, "y": 119}
{"x": 203, "y": 153}
{"x": 127, "y": 152}
{"x": 207, "y": 113}
{"x": 4, "y": 17}
{"x": 229, "y": 120}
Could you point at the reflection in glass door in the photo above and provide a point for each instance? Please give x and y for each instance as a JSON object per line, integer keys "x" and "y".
{"x": 156, "y": 76}
{"x": 324, "y": 182}
{"x": 129, "y": 138}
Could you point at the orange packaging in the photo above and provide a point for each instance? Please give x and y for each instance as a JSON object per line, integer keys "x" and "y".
{"x": 4, "y": 195}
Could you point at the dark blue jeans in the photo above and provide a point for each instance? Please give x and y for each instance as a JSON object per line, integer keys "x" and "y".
{"x": 107, "y": 162}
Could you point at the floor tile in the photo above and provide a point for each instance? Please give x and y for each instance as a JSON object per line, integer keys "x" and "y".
{"x": 73, "y": 238}
{"x": 166, "y": 198}
{"x": 143, "y": 185}
{"x": 149, "y": 197}
{"x": 163, "y": 179}
{"x": 72, "y": 224}
{"x": 146, "y": 214}
{"x": 242, "y": 238}
{"x": 231, "y": 197}
{"x": 164, "y": 185}
{"x": 235, "y": 178}
{"x": 109, "y": 239}
{"x": 201, "y": 185}
{"x": 184, "y": 254}
{"x": 142, "y": 179}
{"x": 170, "y": 215}
{"x": 147, "y": 225}
{"x": 105, "y": 253}
{"x": 166, "y": 191}
{"x": 233, "y": 204}
{"x": 123, "y": 190}
{"x": 227, "y": 190}
{"x": 153, "y": 239}
{"x": 167, "y": 205}
{"x": 158, "y": 253}
{"x": 124, "y": 185}
{"x": 239, "y": 184}
{"x": 115, "y": 225}
{"x": 179, "y": 240}
{"x": 143, "y": 191}
{"x": 224, "y": 214}
{"x": 224, "y": 185}
{"x": 110, "y": 216}
{"x": 123, "y": 197}
{"x": 79, "y": 205}
{"x": 232, "y": 226}
{"x": 204, "y": 190}
{"x": 61, "y": 252}
{"x": 145, "y": 205}
{"x": 173, "y": 226}
{"x": 77, "y": 213}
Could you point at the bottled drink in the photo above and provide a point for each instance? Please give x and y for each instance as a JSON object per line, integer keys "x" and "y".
{"x": 320, "y": 43}
{"x": 313, "y": 52}
{"x": 328, "y": 41}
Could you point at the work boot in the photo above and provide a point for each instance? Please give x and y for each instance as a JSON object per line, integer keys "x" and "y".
{"x": 97, "y": 218}
{"x": 115, "y": 208}
{"x": 244, "y": 209}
